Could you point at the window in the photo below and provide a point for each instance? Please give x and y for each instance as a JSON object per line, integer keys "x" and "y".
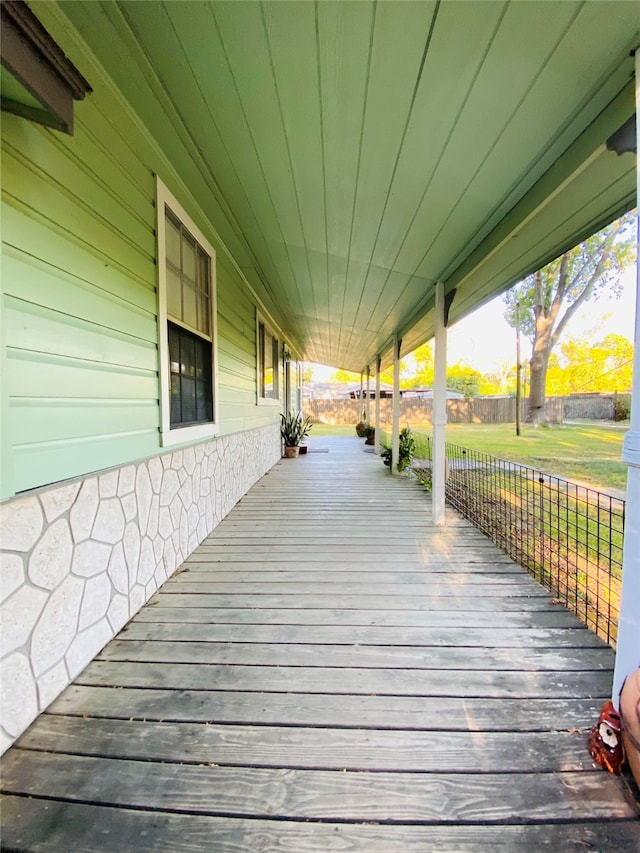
{"x": 186, "y": 295}
{"x": 268, "y": 364}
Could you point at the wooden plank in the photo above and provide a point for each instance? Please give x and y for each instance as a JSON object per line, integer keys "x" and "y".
{"x": 338, "y": 545}
{"x": 517, "y": 603}
{"x": 289, "y": 747}
{"x": 446, "y": 713}
{"x": 345, "y": 588}
{"x": 229, "y": 572}
{"x": 483, "y": 638}
{"x": 164, "y": 609}
{"x": 303, "y": 794}
{"x": 402, "y": 705}
{"x": 248, "y": 572}
{"x": 348, "y": 681}
{"x": 344, "y": 33}
{"x": 290, "y": 29}
{"x": 52, "y": 825}
{"x": 385, "y": 560}
{"x": 356, "y": 655}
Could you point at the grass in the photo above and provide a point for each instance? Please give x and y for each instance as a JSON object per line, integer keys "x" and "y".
{"x": 332, "y": 429}
{"x": 583, "y": 453}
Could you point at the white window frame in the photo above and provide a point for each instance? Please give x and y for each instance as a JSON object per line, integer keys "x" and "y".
{"x": 267, "y": 401}
{"x": 179, "y": 435}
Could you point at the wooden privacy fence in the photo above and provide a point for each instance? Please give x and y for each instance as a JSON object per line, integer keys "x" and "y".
{"x": 479, "y": 410}
{"x": 596, "y": 406}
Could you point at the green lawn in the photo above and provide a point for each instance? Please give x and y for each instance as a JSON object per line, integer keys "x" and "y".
{"x": 332, "y": 429}
{"x": 583, "y": 453}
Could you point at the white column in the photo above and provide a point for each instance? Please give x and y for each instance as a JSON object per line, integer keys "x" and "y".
{"x": 395, "y": 429}
{"x": 377, "y": 424}
{"x": 361, "y": 416}
{"x": 368, "y": 403}
{"x": 628, "y": 643}
{"x": 439, "y": 412}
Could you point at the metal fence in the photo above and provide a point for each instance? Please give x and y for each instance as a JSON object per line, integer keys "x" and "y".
{"x": 567, "y": 536}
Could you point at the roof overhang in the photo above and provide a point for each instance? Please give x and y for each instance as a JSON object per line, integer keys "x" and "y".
{"x": 38, "y": 81}
{"x": 350, "y": 155}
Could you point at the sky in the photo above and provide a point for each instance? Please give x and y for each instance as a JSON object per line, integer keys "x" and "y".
{"x": 484, "y": 339}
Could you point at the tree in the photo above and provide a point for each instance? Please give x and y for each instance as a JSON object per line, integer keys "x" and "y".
{"x": 464, "y": 379}
{"x": 584, "y": 366}
{"x": 550, "y": 297}
{"x": 501, "y": 381}
{"x": 386, "y": 375}
{"x": 423, "y": 373}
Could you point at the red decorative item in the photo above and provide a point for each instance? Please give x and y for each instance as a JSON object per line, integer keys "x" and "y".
{"x": 605, "y": 740}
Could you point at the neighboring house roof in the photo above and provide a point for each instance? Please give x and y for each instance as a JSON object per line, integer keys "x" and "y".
{"x": 427, "y": 393}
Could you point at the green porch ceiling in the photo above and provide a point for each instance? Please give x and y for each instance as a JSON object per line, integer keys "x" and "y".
{"x": 351, "y": 154}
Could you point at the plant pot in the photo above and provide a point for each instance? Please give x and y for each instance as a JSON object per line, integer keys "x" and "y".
{"x": 290, "y": 452}
{"x": 370, "y": 439}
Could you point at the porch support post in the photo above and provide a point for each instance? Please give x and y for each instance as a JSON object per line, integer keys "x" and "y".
{"x": 395, "y": 430}
{"x": 361, "y": 398}
{"x": 377, "y": 424}
{"x": 628, "y": 642}
{"x": 439, "y": 412}
{"x": 368, "y": 403}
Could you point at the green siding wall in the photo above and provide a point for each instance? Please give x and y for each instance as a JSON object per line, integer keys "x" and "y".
{"x": 80, "y": 390}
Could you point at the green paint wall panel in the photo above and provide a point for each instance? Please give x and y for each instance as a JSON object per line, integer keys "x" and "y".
{"x": 43, "y": 243}
{"x": 43, "y": 194}
{"x": 33, "y": 374}
{"x": 34, "y": 327}
{"x": 80, "y": 389}
{"x": 91, "y": 419}
{"x": 37, "y": 465}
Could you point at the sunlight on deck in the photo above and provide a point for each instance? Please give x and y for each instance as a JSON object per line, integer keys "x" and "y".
{"x": 329, "y": 672}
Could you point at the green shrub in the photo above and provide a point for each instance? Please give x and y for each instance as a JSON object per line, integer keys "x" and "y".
{"x": 406, "y": 450}
{"x": 621, "y": 409}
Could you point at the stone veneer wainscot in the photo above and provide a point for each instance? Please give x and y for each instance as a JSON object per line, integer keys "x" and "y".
{"x": 80, "y": 558}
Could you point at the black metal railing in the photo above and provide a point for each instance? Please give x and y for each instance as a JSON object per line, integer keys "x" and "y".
{"x": 569, "y": 537}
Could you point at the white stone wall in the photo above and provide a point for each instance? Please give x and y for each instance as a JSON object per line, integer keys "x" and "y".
{"x": 78, "y": 560}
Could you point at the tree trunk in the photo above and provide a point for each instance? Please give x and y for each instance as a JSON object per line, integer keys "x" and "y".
{"x": 537, "y": 385}
{"x": 541, "y": 350}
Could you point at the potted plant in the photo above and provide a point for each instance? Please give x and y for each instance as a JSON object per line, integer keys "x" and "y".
{"x": 293, "y": 428}
{"x": 360, "y": 428}
{"x": 370, "y": 434}
{"x": 406, "y": 449}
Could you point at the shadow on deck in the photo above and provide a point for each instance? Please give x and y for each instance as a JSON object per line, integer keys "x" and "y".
{"x": 329, "y": 672}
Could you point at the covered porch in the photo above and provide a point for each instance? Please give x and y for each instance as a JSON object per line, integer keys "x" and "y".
{"x": 329, "y": 671}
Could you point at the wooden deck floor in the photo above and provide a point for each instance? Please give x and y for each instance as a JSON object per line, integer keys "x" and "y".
{"x": 328, "y": 672}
